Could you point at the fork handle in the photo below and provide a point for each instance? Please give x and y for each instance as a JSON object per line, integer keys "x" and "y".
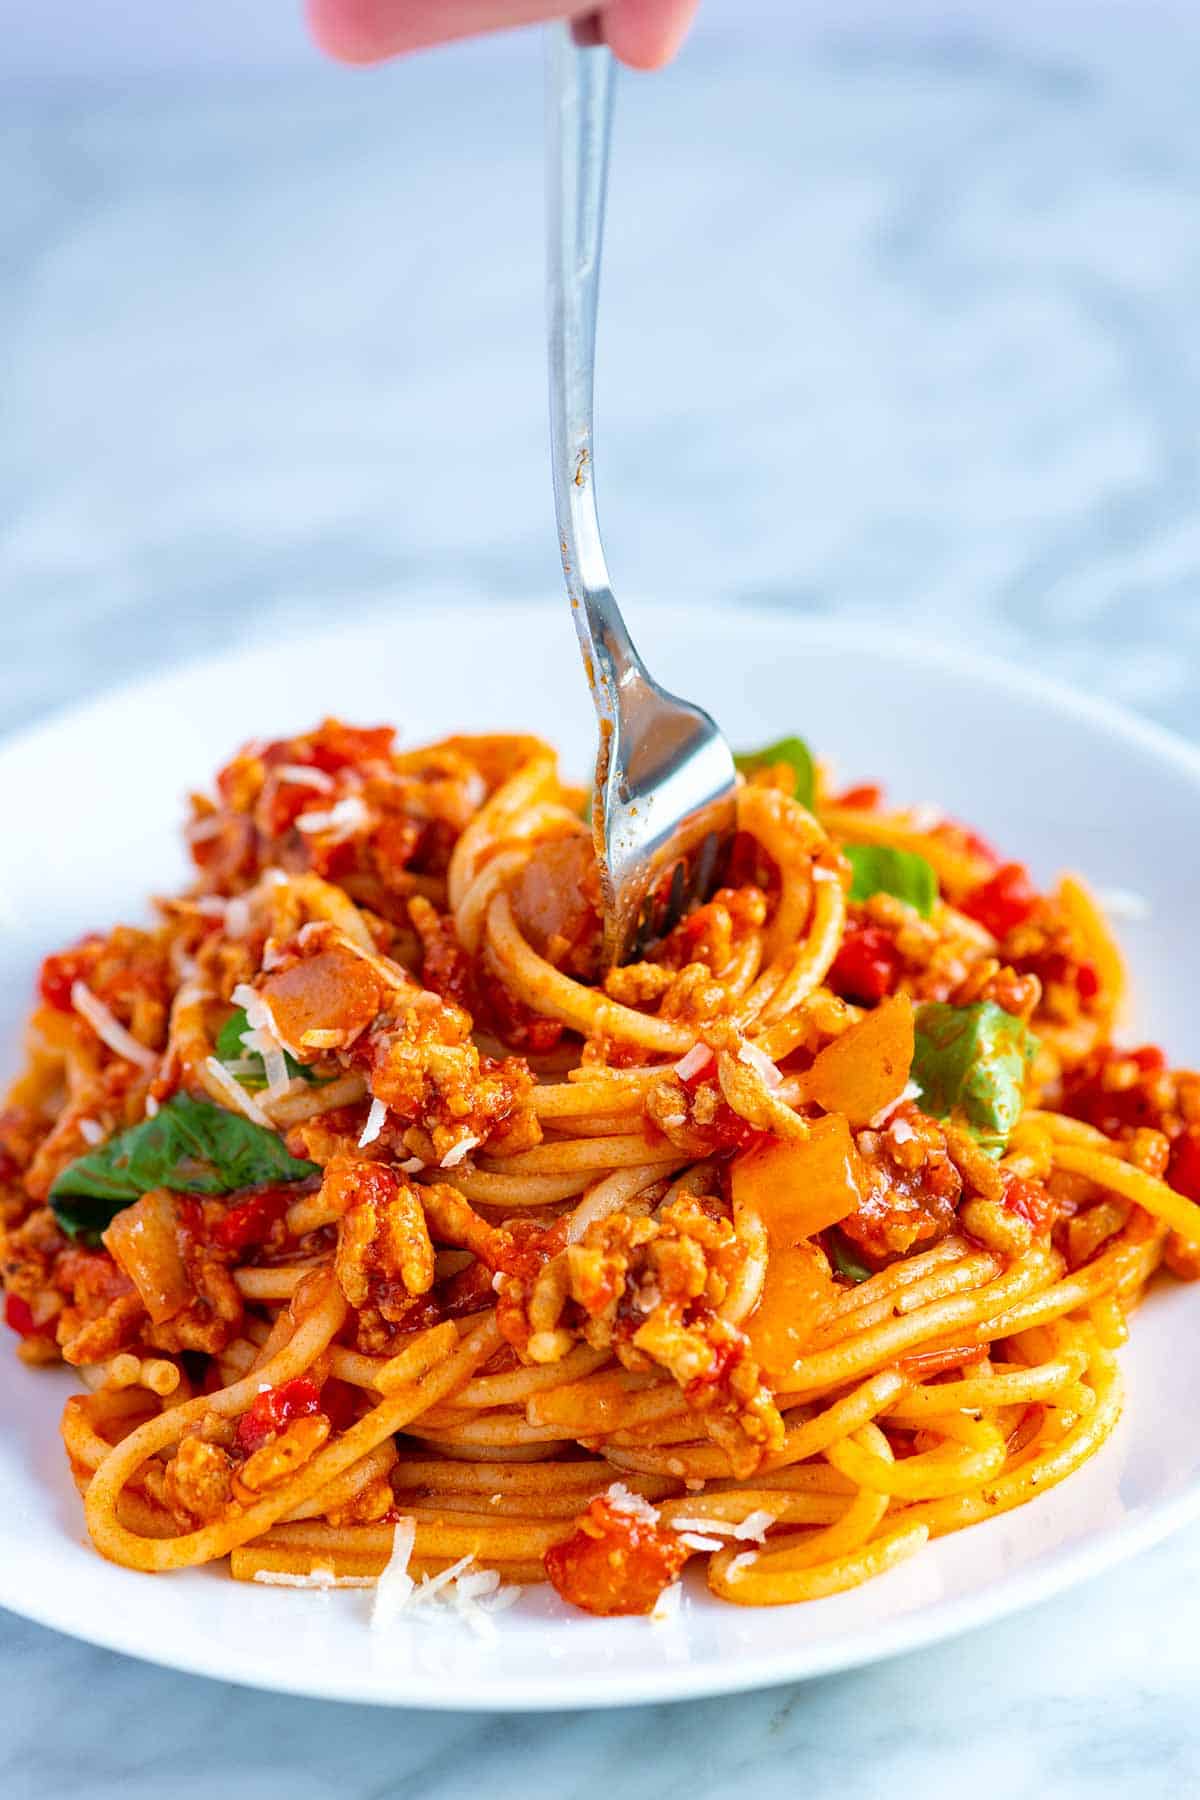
{"x": 579, "y": 95}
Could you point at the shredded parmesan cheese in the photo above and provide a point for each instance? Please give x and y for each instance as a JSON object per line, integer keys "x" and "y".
{"x": 320, "y": 1578}
{"x": 754, "y": 1526}
{"x": 237, "y": 917}
{"x": 235, "y": 1093}
{"x": 394, "y": 1588}
{"x": 458, "y": 1593}
{"x": 910, "y": 1091}
{"x": 303, "y": 775}
{"x": 412, "y": 1165}
{"x": 925, "y": 818}
{"x": 746, "y": 1560}
{"x": 91, "y": 1131}
{"x": 667, "y": 1606}
{"x": 696, "y": 1540}
{"x": 457, "y": 1151}
{"x": 760, "y": 1062}
{"x": 376, "y": 1120}
{"x": 624, "y": 1500}
{"x": 109, "y": 1029}
{"x": 345, "y": 819}
{"x": 697, "y": 1058}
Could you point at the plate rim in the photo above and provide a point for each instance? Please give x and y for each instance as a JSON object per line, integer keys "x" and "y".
{"x": 1040, "y": 1580}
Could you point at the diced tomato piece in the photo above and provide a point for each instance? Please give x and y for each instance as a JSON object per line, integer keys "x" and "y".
{"x": 1006, "y": 899}
{"x": 337, "y": 746}
{"x": 18, "y": 1316}
{"x": 864, "y": 798}
{"x": 615, "y": 1562}
{"x": 432, "y": 854}
{"x": 251, "y": 1220}
{"x": 1029, "y": 1200}
{"x": 339, "y": 1403}
{"x": 288, "y": 800}
{"x": 866, "y": 966}
{"x": 1115, "y": 1105}
{"x": 978, "y": 846}
{"x": 1183, "y": 1170}
{"x": 1062, "y": 969}
{"x": 60, "y": 972}
{"x": 1087, "y": 981}
{"x": 274, "y": 1408}
{"x": 513, "y": 1022}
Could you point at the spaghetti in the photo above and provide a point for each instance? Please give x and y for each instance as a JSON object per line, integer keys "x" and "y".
{"x": 379, "y": 1223}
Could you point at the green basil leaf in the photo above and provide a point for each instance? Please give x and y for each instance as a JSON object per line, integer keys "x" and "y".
{"x": 230, "y": 1049}
{"x": 970, "y": 1062}
{"x": 189, "y": 1145}
{"x": 881, "y": 869}
{"x": 845, "y": 1261}
{"x": 793, "y": 751}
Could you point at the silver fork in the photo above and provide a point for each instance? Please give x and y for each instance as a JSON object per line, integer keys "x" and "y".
{"x": 665, "y": 780}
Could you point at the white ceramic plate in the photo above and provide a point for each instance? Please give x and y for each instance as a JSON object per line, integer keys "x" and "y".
{"x": 93, "y": 803}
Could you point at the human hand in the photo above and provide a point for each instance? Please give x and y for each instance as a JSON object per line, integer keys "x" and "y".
{"x": 643, "y": 33}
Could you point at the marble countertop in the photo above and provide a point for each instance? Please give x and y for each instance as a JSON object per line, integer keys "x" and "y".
{"x": 898, "y": 326}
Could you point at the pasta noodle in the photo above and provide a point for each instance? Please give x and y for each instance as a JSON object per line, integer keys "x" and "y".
{"x": 360, "y": 1194}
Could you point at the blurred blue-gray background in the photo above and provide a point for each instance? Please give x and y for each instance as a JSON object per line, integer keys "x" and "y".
{"x": 900, "y": 320}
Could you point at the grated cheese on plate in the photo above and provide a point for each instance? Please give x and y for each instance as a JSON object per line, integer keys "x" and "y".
{"x": 463, "y": 1593}
{"x": 91, "y": 1131}
{"x": 321, "y": 1578}
{"x": 668, "y": 1604}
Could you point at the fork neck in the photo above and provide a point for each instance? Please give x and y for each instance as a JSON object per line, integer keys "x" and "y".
{"x": 579, "y": 94}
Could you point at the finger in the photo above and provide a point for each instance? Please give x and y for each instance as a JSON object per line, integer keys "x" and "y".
{"x": 366, "y": 31}
{"x": 646, "y": 33}
{"x": 643, "y": 33}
